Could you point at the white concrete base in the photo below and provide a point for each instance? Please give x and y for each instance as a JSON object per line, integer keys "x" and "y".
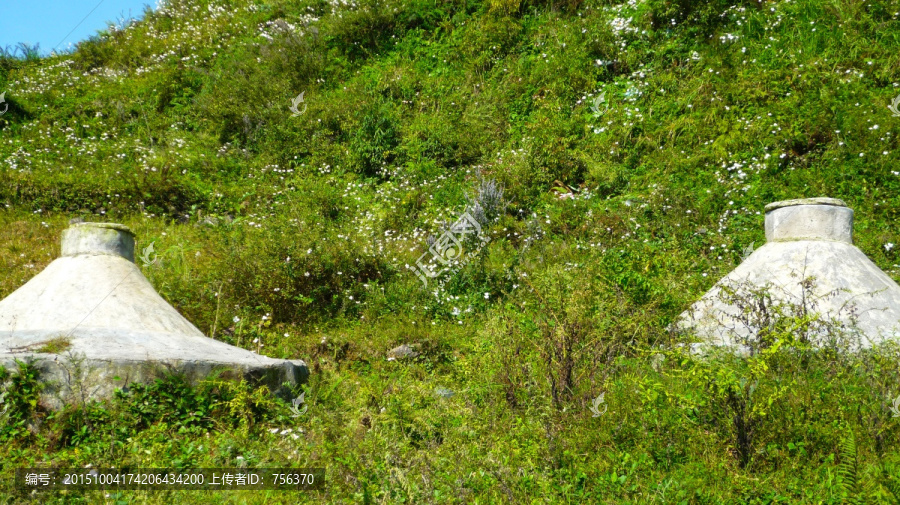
{"x": 97, "y": 302}
{"x": 846, "y": 283}
{"x": 70, "y": 378}
{"x": 807, "y": 239}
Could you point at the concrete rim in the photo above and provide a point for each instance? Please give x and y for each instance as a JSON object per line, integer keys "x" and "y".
{"x": 805, "y": 201}
{"x": 111, "y": 226}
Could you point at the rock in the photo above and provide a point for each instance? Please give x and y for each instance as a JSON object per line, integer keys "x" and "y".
{"x": 402, "y": 352}
{"x": 444, "y": 392}
{"x": 209, "y": 221}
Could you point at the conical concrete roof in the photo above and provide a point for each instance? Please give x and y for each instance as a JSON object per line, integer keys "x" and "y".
{"x": 97, "y": 300}
{"x": 808, "y": 265}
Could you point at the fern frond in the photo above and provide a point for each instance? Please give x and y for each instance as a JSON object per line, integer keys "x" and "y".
{"x": 893, "y": 485}
{"x": 848, "y": 466}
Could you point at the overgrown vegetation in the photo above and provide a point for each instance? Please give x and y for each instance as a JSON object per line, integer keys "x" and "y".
{"x": 617, "y": 157}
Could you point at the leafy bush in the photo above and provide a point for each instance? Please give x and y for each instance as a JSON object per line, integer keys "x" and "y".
{"x": 170, "y": 400}
{"x": 374, "y": 142}
{"x": 20, "y": 395}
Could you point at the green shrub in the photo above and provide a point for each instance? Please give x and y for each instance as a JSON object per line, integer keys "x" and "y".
{"x": 20, "y": 396}
{"x": 170, "y": 400}
{"x": 373, "y": 143}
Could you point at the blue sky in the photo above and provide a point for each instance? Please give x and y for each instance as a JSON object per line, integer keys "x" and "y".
{"x": 48, "y": 22}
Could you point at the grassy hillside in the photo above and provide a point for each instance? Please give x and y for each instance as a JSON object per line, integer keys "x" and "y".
{"x": 636, "y": 145}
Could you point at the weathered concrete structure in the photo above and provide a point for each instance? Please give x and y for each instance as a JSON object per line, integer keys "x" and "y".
{"x": 809, "y": 265}
{"x": 92, "y": 316}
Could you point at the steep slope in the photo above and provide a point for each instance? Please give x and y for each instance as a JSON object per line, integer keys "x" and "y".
{"x": 292, "y": 161}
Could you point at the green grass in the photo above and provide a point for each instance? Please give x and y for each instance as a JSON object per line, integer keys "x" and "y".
{"x": 55, "y": 345}
{"x": 296, "y": 232}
